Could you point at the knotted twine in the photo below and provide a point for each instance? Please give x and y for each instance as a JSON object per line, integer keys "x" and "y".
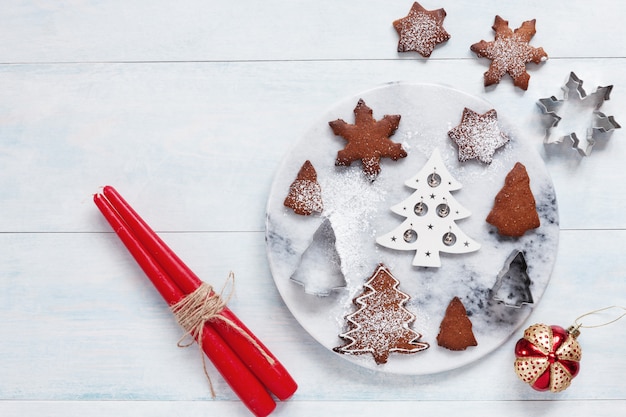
{"x": 199, "y": 308}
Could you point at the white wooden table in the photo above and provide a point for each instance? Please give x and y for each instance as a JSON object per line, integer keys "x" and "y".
{"x": 187, "y": 108}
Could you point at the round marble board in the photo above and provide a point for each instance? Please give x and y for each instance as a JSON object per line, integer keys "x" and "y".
{"x": 359, "y": 211}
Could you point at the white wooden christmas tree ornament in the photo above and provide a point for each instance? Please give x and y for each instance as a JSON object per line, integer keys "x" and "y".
{"x": 431, "y": 213}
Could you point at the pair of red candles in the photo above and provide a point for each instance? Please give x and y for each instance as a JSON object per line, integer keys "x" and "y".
{"x": 249, "y": 368}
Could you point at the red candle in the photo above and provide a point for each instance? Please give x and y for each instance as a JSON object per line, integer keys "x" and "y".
{"x": 247, "y": 387}
{"x": 271, "y": 373}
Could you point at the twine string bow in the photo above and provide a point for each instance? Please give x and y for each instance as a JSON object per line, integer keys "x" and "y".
{"x": 203, "y": 305}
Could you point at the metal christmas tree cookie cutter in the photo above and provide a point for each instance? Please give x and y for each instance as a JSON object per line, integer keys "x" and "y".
{"x": 512, "y": 287}
{"x": 572, "y": 109}
{"x": 319, "y": 270}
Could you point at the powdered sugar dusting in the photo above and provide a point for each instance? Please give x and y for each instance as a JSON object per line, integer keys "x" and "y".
{"x": 510, "y": 55}
{"x": 420, "y": 33}
{"x": 381, "y": 323}
{"x": 478, "y": 136}
{"x": 509, "y": 52}
{"x": 351, "y": 201}
{"x": 307, "y": 195}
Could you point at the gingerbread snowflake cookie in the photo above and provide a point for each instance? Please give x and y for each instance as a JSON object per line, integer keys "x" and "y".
{"x": 368, "y": 140}
{"x": 381, "y": 323}
{"x": 510, "y": 52}
{"x": 478, "y": 136}
{"x": 421, "y": 30}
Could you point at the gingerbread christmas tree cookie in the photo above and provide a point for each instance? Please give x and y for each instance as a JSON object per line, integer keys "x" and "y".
{"x": 509, "y": 52}
{"x": 305, "y": 193}
{"x": 421, "y": 30}
{"x": 381, "y": 323}
{"x": 455, "y": 331}
{"x": 514, "y": 210}
{"x": 478, "y": 136}
{"x": 368, "y": 140}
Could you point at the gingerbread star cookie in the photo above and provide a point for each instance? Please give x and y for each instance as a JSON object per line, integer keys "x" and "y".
{"x": 421, "y": 30}
{"x": 509, "y": 52}
{"x": 478, "y": 136}
{"x": 368, "y": 140}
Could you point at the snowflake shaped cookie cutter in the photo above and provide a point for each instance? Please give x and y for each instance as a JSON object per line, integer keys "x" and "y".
{"x": 572, "y": 110}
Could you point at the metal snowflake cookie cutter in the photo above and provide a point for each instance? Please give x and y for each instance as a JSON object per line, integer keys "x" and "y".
{"x": 572, "y": 114}
{"x": 512, "y": 287}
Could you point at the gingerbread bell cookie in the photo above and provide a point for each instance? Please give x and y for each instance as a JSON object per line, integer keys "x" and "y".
{"x": 305, "y": 193}
{"x": 510, "y": 52}
{"x": 368, "y": 140}
{"x": 455, "y": 331}
{"x": 514, "y": 210}
{"x": 421, "y": 30}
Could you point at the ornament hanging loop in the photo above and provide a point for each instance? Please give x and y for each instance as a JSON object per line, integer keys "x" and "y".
{"x": 574, "y": 330}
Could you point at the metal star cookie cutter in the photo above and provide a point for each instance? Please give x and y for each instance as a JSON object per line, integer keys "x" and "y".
{"x": 572, "y": 108}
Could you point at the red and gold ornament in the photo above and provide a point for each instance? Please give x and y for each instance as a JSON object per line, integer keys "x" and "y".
{"x": 548, "y": 357}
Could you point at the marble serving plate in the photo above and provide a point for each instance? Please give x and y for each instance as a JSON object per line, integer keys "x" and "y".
{"x": 359, "y": 211}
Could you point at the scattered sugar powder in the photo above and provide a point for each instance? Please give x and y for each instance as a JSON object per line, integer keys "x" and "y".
{"x": 381, "y": 323}
{"x": 421, "y": 33}
{"x": 478, "y": 136}
{"x": 307, "y": 196}
{"x": 510, "y": 55}
{"x": 350, "y": 201}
